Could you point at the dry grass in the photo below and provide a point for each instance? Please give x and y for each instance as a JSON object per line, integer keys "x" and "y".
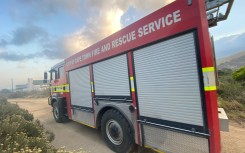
{"x": 234, "y": 110}
{"x": 232, "y": 96}
{"x": 27, "y": 94}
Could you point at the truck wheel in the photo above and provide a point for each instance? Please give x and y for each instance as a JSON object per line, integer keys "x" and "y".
{"x": 117, "y": 132}
{"x": 58, "y": 116}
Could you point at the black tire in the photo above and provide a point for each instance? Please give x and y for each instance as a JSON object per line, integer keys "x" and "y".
{"x": 117, "y": 132}
{"x": 57, "y": 112}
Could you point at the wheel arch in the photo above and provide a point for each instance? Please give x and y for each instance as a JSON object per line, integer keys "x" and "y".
{"x": 108, "y": 107}
{"x": 56, "y": 98}
{"x": 53, "y": 100}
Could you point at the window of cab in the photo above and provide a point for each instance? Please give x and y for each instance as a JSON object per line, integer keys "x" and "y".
{"x": 61, "y": 72}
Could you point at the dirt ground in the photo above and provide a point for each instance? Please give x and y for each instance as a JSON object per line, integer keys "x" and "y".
{"x": 234, "y": 140}
{"x": 74, "y": 136}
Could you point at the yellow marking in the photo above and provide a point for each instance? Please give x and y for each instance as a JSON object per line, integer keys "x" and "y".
{"x": 84, "y": 124}
{"x": 209, "y": 78}
{"x": 159, "y": 151}
{"x": 132, "y": 84}
{"x": 208, "y": 69}
{"x": 61, "y": 88}
{"x": 92, "y": 86}
{"x": 210, "y": 88}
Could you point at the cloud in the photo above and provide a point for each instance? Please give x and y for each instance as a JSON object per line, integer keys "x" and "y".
{"x": 24, "y": 35}
{"x": 41, "y": 9}
{"x": 3, "y": 43}
{"x": 229, "y": 45}
{"x": 51, "y": 7}
{"x": 105, "y": 19}
{"x": 63, "y": 47}
{"x": 15, "y": 57}
{"x": 21, "y": 65}
{"x": 149, "y": 6}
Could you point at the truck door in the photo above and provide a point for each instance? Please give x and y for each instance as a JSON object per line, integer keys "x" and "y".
{"x": 170, "y": 95}
{"x": 81, "y": 96}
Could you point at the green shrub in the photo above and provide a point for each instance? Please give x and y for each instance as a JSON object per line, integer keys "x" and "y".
{"x": 230, "y": 89}
{"x": 231, "y": 96}
{"x": 239, "y": 75}
{"x": 3, "y": 100}
{"x": 8, "y": 109}
{"x": 20, "y": 133}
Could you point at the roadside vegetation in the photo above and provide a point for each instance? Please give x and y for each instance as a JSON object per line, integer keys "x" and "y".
{"x": 21, "y": 133}
{"x": 231, "y": 91}
{"x": 25, "y": 94}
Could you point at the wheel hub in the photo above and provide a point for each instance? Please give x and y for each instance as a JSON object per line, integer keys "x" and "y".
{"x": 56, "y": 112}
{"x": 114, "y": 132}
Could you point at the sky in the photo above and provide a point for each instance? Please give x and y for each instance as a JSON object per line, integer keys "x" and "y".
{"x": 37, "y": 34}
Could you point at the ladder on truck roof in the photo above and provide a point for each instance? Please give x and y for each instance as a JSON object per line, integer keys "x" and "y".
{"x": 213, "y": 10}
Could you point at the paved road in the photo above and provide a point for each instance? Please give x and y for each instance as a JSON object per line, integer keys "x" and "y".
{"x": 74, "y": 136}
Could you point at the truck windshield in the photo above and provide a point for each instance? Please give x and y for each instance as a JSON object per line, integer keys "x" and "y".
{"x": 52, "y": 75}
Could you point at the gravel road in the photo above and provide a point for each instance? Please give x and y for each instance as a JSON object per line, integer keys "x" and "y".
{"x": 74, "y": 136}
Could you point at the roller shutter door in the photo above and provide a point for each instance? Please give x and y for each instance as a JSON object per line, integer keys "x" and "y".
{"x": 167, "y": 81}
{"x": 80, "y": 88}
{"x": 111, "y": 77}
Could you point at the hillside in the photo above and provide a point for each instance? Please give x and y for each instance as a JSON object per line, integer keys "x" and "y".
{"x": 234, "y": 61}
{"x": 229, "y": 45}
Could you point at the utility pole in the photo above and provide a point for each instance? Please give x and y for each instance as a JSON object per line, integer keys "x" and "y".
{"x": 12, "y": 84}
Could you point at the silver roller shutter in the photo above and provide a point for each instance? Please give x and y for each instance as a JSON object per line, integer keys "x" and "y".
{"x": 80, "y": 88}
{"x": 111, "y": 77}
{"x": 167, "y": 81}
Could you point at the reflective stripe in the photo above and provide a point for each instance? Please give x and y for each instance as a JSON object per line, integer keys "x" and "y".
{"x": 209, "y": 78}
{"x": 84, "y": 124}
{"x": 210, "y": 88}
{"x": 132, "y": 84}
{"x": 208, "y": 69}
{"x": 61, "y": 88}
{"x": 92, "y": 86}
{"x": 156, "y": 150}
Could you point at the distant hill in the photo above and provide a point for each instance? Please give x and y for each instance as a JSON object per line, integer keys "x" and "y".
{"x": 234, "y": 61}
{"x": 229, "y": 45}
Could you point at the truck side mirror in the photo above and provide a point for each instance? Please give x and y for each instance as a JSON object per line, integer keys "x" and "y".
{"x": 45, "y": 77}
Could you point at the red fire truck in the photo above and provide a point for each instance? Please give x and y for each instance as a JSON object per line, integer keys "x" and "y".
{"x": 151, "y": 83}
